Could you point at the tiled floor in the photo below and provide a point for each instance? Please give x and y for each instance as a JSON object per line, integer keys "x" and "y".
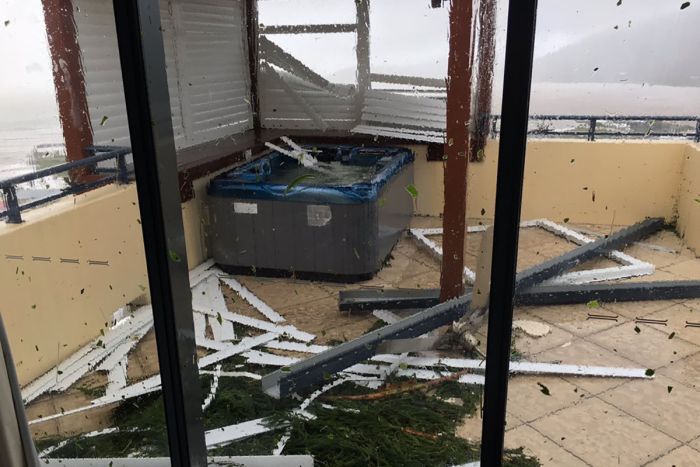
{"x": 583, "y": 421}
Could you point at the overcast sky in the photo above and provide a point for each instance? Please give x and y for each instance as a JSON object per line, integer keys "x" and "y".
{"x": 407, "y": 37}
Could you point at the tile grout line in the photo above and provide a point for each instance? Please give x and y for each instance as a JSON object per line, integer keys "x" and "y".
{"x": 647, "y": 424}
{"x": 669, "y": 452}
{"x": 557, "y": 444}
{"x": 660, "y": 430}
{"x": 697, "y": 348}
{"x": 692, "y": 388}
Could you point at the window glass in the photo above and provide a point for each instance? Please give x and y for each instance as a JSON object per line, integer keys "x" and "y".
{"x": 336, "y": 203}
{"x": 619, "y": 160}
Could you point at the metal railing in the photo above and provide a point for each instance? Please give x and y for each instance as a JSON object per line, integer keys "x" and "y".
{"x": 592, "y": 128}
{"x": 13, "y": 209}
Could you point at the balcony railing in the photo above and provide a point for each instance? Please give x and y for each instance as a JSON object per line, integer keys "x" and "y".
{"x": 592, "y": 127}
{"x": 120, "y": 174}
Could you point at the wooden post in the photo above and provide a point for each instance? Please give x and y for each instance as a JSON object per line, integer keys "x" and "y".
{"x": 252, "y": 30}
{"x": 486, "y": 51}
{"x": 459, "y": 69}
{"x": 69, "y": 82}
{"x": 362, "y": 50}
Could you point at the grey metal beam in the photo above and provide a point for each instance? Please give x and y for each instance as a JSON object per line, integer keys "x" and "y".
{"x": 617, "y": 240}
{"x": 364, "y": 301}
{"x": 315, "y": 369}
{"x": 544, "y": 295}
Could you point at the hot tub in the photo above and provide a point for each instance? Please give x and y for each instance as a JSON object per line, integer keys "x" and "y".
{"x": 272, "y": 215}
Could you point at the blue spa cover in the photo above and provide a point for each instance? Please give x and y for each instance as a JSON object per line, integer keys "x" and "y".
{"x": 255, "y": 180}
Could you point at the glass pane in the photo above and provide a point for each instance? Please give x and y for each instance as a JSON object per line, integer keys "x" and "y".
{"x": 611, "y": 145}
{"x": 319, "y": 204}
{"x": 75, "y": 287}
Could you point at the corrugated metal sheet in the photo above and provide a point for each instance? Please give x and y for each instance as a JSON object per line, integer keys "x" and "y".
{"x": 206, "y": 62}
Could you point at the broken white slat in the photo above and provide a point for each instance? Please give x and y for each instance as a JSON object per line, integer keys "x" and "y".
{"x": 53, "y": 448}
{"x": 332, "y": 407}
{"x": 137, "y": 389}
{"x": 212, "y": 389}
{"x": 48, "y": 379}
{"x": 207, "y": 296}
{"x": 110, "y": 342}
{"x": 73, "y": 368}
{"x": 393, "y": 367}
{"x": 262, "y": 358}
{"x": 253, "y": 300}
{"x": 435, "y": 249}
{"x": 201, "y": 272}
{"x": 228, "y": 434}
{"x": 222, "y": 331}
{"x": 305, "y": 405}
{"x": 578, "y": 370}
{"x": 417, "y": 373}
{"x": 152, "y": 384}
{"x": 123, "y": 349}
{"x": 659, "y": 248}
{"x": 246, "y": 343}
{"x": 117, "y": 377}
{"x": 212, "y": 344}
{"x": 601, "y": 274}
{"x": 234, "y": 374}
{"x": 200, "y": 325}
{"x": 289, "y": 330}
{"x": 257, "y": 357}
{"x": 389, "y": 317}
{"x": 580, "y": 239}
{"x": 300, "y": 158}
{"x": 631, "y": 267}
{"x": 146, "y": 386}
{"x": 116, "y": 357}
{"x": 296, "y": 346}
{"x": 310, "y": 159}
{"x": 521, "y": 367}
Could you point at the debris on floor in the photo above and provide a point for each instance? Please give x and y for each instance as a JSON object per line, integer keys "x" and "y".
{"x": 532, "y": 328}
{"x": 381, "y": 408}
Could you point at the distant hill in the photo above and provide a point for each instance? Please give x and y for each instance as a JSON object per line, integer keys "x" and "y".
{"x": 658, "y": 52}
